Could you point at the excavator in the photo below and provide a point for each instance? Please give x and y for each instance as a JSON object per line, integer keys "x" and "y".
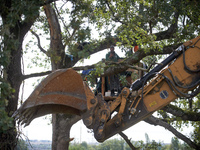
{"x": 64, "y": 91}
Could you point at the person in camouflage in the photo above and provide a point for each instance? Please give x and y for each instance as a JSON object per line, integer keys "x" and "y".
{"x": 114, "y": 79}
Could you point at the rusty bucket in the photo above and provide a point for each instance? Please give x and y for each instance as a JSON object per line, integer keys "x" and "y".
{"x": 60, "y": 92}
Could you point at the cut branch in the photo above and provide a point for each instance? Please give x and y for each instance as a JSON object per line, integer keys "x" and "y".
{"x": 127, "y": 140}
{"x": 122, "y": 66}
{"x": 155, "y": 121}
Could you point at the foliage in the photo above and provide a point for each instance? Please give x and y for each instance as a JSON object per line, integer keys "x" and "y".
{"x": 21, "y": 145}
{"x": 113, "y": 144}
{"x": 15, "y": 19}
{"x": 82, "y": 146}
{"x": 176, "y": 145}
{"x": 6, "y": 122}
{"x": 135, "y": 21}
{"x": 120, "y": 144}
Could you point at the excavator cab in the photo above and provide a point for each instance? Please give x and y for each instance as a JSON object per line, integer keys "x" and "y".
{"x": 64, "y": 91}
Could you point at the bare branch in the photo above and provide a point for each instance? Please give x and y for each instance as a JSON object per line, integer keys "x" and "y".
{"x": 66, "y": 27}
{"x": 97, "y": 47}
{"x": 127, "y": 140}
{"x": 62, "y": 18}
{"x": 170, "y": 31}
{"x": 155, "y": 121}
{"x": 36, "y": 75}
{"x": 39, "y": 44}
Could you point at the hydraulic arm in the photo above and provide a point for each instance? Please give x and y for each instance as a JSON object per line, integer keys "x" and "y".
{"x": 150, "y": 93}
{"x": 64, "y": 92}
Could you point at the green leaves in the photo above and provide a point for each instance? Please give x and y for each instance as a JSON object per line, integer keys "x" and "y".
{"x": 6, "y": 122}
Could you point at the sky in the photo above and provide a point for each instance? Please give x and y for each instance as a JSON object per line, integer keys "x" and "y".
{"x": 39, "y": 129}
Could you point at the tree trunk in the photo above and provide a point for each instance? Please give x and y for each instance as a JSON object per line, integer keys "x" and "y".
{"x": 61, "y": 122}
{"x": 14, "y": 78}
{"x": 12, "y": 46}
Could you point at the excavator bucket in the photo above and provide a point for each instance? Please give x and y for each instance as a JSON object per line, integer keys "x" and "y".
{"x": 63, "y": 91}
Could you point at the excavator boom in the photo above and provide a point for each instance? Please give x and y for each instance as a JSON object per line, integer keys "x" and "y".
{"x": 180, "y": 75}
{"x": 64, "y": 92}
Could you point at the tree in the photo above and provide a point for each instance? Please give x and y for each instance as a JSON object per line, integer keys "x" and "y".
{"x": 158, "y": 27}
{"x": 17, "y": 17}
{"x": 175, "y": 144}
{"x": 112, "y": 144}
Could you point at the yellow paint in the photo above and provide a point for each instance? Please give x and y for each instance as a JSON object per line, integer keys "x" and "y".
{"x": 153, "y": 103}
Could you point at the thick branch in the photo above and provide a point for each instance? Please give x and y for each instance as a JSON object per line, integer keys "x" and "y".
{"x": 56, "y": 45}
{"x": 39, "y": 44}
{"x": 155, "y": 121}
{"x": 94, "y": 48}
{"x": 178, "y": 112}
{"x": 116, "y": 68}
{"x": 62, "y": 19}
{"x": 121, "y": 67}
{"x": 36, "y": 75}
{"x": 127, "y": 140}
{"x": 170, "y": 31}
{"x": 84, "y": 67}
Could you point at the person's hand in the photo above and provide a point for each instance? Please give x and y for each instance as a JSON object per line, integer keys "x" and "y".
{"x": 111, "y": 55}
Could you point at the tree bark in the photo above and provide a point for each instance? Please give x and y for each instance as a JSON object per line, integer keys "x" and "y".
{"x": 62, "y": 124}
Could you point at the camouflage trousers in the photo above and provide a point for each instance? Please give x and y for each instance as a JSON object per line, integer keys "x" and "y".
{"x": 114, "y": 82}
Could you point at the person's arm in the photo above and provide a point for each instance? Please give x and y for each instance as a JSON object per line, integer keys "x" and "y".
{"x": 107, "y": 56}
{"x": 118, "y": 57}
